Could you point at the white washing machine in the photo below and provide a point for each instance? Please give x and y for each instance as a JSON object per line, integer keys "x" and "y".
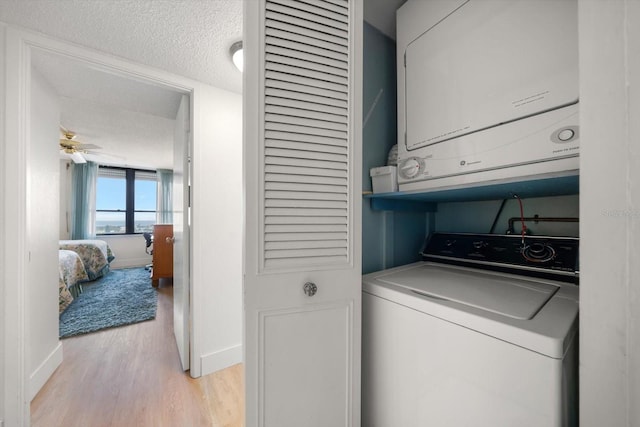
{"x": 482, "y": 333}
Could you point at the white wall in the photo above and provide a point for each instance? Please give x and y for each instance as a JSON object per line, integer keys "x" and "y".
{"x": 128, "y": 250}
{"x": 42, "y": 222}
{"x": 609, "y": 213}
{"x": 2, "y": 222}
{"x": 217, "y": 218}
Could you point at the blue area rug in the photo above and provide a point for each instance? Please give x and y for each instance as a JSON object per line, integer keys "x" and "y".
{"x": 120, "y": 298}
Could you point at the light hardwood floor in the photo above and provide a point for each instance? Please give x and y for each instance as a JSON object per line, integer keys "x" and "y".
{"x": 131, "y": 376}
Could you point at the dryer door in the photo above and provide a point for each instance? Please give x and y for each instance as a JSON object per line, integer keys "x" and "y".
{"x": 488, "y": 63}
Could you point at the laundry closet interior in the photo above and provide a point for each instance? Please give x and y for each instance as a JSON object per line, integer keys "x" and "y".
{"x": 481, "y": 99}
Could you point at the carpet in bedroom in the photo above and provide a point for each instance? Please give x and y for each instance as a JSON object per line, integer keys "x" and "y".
{"x": 120, "y": 298}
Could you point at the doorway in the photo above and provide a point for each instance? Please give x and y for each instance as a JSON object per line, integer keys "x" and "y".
{"x": 68, "y": 71}
{"x": 216, "y": 196}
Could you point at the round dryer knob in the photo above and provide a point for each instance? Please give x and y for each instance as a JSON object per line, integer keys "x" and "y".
{"x": 410, "y": 168}
{"x": 566, "y": 134}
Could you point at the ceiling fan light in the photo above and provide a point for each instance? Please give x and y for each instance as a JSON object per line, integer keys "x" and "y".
{"x": 236, "y": 55}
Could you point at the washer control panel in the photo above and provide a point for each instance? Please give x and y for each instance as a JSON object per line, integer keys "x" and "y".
{"x": 552, "y": 255}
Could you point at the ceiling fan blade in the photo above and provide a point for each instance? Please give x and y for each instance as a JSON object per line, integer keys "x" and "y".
{"x": 87, "y": 147}
{"x": 77, "y": 157}
{"x": 104, "y": 160}
{"x": 101, "y": 155}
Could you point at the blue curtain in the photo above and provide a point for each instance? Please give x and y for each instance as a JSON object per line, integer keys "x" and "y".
{"x": 164, "y": 210}
{"x": 83, "y": 200}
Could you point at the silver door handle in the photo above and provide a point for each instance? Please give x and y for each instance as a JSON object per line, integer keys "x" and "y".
{"x": 310, "y": 289}
{"x": 170, "y": 239}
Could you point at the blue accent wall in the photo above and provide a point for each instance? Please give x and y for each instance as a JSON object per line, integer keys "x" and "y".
{"x": 478, "y": 217}
{"x": 388, "y": 238}
{"x": 378, "y": 136}
{"x": 379, "y": 132}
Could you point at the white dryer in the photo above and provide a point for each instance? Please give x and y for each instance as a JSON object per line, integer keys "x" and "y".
{"x": 482, "y": 333}
{"x": 487, "y": 92}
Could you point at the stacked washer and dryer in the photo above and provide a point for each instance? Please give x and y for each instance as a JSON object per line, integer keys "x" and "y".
{"x": 483, "y": 331}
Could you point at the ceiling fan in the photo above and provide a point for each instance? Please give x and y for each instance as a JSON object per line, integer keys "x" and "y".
{"x": 73, "y": 149}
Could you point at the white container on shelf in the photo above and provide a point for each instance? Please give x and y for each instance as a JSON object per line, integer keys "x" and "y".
{"x": 384, "y": 179}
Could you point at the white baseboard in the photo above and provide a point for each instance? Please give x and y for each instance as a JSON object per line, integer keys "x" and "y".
{"x": 218, "y": 360}
{"x": 43, "y": 372}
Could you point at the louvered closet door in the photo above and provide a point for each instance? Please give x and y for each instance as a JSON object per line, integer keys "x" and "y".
{"x": 302, "y": 130}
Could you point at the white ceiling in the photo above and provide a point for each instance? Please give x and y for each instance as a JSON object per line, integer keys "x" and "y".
{"x": 125, "y": 138}
{"x": 131, "y": 121}
{"x": 75, "y": 79}
{"x": 190, "y": 38}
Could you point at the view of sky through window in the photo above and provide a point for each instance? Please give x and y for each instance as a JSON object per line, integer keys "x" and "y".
{"x": 111, "y": 195}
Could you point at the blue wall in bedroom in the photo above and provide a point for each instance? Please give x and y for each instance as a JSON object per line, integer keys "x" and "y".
{"x": 388, "y": 238}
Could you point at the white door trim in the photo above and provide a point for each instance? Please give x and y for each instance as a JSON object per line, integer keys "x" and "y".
{"x": 19, "y": 44}
{"x": 15, "y": 257}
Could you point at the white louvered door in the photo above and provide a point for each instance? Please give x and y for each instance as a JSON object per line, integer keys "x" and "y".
{"x": 302, "y": 149}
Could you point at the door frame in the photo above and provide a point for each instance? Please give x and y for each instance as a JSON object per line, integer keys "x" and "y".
{"x": 19, "y": 44}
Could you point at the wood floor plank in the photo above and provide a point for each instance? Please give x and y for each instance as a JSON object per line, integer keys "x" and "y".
{"x": 131, "y": 376}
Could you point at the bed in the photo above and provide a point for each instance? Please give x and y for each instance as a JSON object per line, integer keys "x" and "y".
{"x": 80, "y": 261}
{"x": 72, "y": 274}
{"x": 95, "y": 255}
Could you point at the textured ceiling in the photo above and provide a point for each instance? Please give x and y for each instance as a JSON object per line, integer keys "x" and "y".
{"x": 74, "y": 79}
{"x": 190, "y": 38}
{"x": 131, "y": 121}
{"x": 128, "y": 118}
{"x": 125, "y": 138}
{"x": 186, "y": 37}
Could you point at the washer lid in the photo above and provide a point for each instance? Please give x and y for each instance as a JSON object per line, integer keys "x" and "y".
{"x": 508, "y": 296}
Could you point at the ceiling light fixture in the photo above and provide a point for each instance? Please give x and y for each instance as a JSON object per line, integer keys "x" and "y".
{"x": 236, "y": 54}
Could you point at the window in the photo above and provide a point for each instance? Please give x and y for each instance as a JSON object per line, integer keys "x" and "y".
{"x": 125, "y": 200}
